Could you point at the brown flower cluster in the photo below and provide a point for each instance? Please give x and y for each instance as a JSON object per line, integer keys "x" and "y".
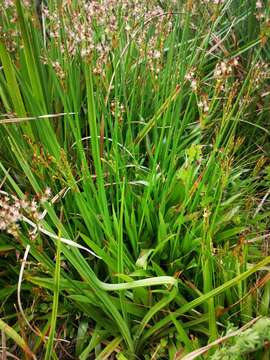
{"x": 94, "y": 30}
{"x": 261, "y": 72}
{"x": 225, "y": 68}
{"x": 12, "y": 210}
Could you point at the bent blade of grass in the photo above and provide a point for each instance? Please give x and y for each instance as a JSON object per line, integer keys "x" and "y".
{"x": 153, "y": 281}
{"x": 55, "y": 237}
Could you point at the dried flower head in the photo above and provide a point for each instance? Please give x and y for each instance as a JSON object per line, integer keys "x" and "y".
{"x": 13, "y": 210}
{"x": 191, "y": 77}
{"x": 203, "y": 104}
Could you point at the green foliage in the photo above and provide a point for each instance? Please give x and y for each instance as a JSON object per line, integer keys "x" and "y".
{"x": 133, "y": 162}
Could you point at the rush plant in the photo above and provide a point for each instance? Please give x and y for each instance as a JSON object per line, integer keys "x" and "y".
{"x": 134, "y": 176}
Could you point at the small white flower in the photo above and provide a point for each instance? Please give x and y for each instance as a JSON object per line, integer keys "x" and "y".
{"x": 200, "y": 104}
{"x": 223, "y": 67}
{"x": 206, "y": 108}
{"x": 193, "y": 84}
{"x": 235, "y": 62}
{"x": 156, "y": 54}
{"x": 3, "y": 224}
{"x": 33, "y": 206}
{"x": 259, "y": 4}
{"x": 24, "y": 204}
{"x": 189, "y": 76}
{"x": 48, "y": 192}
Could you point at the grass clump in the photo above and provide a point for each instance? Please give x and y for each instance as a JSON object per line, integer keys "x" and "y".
{"x": 134, "y": 176}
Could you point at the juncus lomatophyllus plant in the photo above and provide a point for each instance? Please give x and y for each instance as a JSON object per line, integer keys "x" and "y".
{"x": 134, "y": 176}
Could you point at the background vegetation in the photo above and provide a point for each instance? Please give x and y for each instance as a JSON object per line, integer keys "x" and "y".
{"x": 134, "y": 179}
